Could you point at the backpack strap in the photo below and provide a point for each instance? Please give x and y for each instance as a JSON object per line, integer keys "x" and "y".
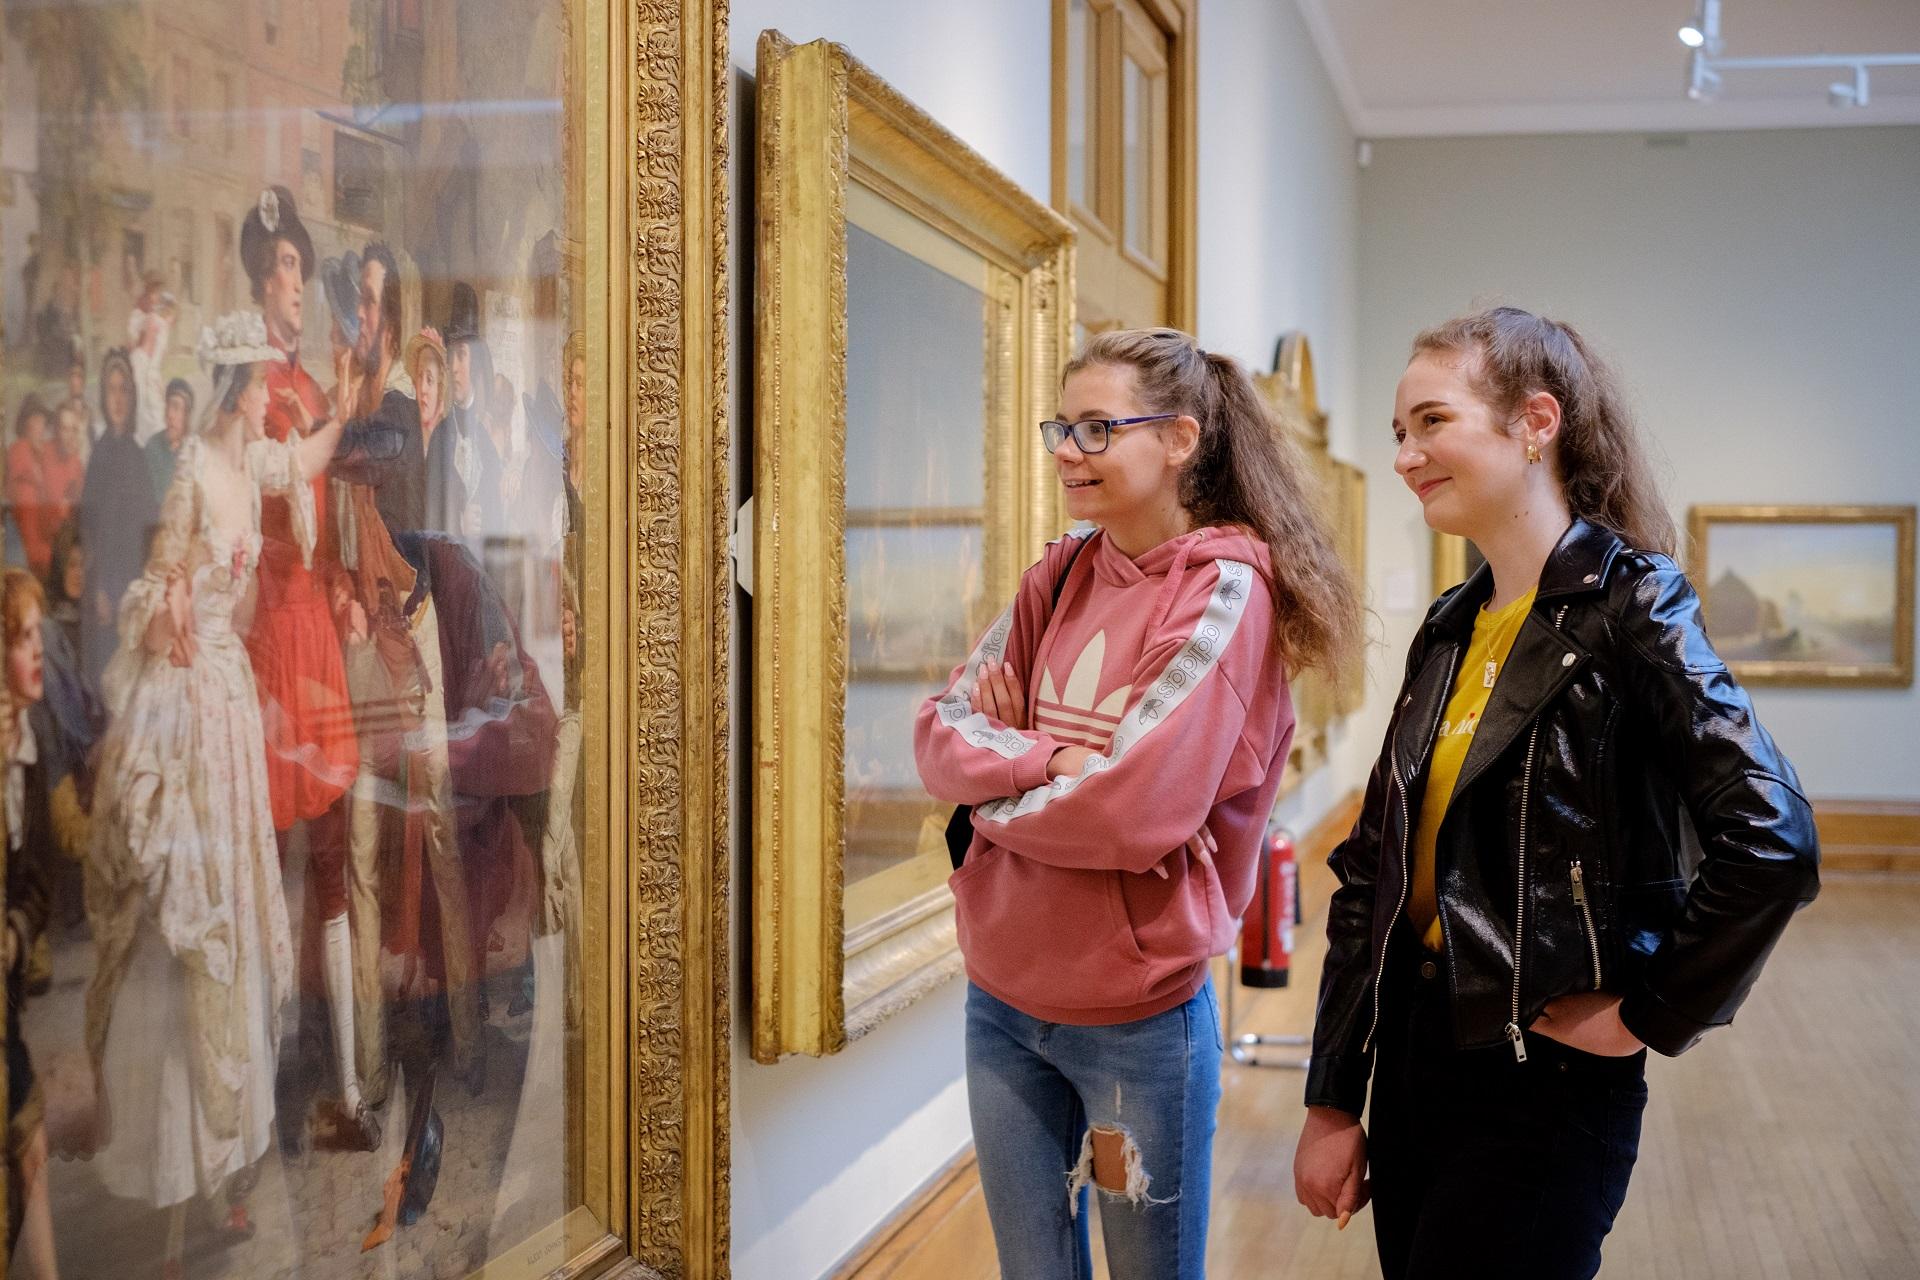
{"x": 960, "y": 825}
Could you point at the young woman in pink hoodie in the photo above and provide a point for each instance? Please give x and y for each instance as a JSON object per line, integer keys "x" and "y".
{"x": 1120, "y": 732}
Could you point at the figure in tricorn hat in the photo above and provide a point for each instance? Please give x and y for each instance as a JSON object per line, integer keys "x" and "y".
{"x": 312, "y": 753}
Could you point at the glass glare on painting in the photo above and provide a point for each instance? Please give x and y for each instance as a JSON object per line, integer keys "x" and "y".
{"x": 917, "y": 409}
{"x": 290, "y": 606}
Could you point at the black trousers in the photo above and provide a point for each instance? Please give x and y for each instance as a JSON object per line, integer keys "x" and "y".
{"x": 1483, "y": 1165}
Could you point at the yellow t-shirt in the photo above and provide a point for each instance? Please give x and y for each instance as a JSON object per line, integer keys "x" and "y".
{"x": 1493, "y": 636}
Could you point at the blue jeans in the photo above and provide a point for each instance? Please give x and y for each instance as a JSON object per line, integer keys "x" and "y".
{"x": 1037, "y": 1091}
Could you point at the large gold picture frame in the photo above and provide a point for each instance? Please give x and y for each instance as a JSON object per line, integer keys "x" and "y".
{"x": 849, "y": 173}
{"x": 664, "y": 615}
{"x": 1817, "y": 596}
{"x": 643, "y": 106}
{"x": 653, "y": 198}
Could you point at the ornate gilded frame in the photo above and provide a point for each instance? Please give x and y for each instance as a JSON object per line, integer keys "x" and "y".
{"x": 1897, "y": 674}
{"x": 1293, "y": 393}
{"x": 649, "y": 152}
{"x": 826, "y": 121}
{"x": 654, "y": 201}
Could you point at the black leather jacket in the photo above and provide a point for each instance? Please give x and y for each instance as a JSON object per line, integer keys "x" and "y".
{"x": 1613, "y": 723}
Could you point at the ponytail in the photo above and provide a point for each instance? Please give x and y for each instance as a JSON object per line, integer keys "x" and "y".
{"x": 1247, "y": 471}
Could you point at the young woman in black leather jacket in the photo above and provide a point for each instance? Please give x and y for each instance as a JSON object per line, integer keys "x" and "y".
{"x": 1517, "y": 922}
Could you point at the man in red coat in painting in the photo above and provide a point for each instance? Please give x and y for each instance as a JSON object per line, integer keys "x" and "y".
{"x": 312, "y": 752}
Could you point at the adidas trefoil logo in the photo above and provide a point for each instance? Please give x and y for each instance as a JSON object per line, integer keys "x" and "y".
{"x": 1080, "y": 716}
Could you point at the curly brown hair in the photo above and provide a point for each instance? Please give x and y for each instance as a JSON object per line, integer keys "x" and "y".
{"x": 18, "y": 589}
{"x": 1247, "y": 471}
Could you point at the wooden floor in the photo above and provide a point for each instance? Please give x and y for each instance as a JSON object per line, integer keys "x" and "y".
{"x": 1785, "y": 1146}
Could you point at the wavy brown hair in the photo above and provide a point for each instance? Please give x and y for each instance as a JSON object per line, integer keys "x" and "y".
{"x": 1598, "y": 457}
{"x": 19, "y": 591}
{"x": 1247, "y": 471}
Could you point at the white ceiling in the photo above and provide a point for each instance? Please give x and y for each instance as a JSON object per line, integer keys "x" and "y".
{"x": 1425, "y": 67}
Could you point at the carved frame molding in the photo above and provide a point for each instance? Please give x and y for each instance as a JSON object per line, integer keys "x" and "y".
{"x": 825, "y": 120}
{"x": 659, "y": 215}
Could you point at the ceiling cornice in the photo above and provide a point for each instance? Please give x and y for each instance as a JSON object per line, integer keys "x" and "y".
{"x": 1680, "y": 116}
{"x": 1320, "y": 27}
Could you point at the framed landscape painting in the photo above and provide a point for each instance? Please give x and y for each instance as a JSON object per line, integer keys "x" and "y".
{"x": 912, "y": 309}
{"x": 1808, "y": 595}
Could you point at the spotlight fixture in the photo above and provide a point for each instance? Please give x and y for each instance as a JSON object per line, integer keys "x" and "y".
{"x": 1704, "y": 31}
{"x": 1704, "y": 66}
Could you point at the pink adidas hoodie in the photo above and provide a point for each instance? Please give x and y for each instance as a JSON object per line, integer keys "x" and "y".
{"x": 1079, "y": 902}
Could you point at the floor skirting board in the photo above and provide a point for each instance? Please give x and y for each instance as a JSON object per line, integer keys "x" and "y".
{"x": 940, "y": 1234}
{"x": 1868, "y": 835}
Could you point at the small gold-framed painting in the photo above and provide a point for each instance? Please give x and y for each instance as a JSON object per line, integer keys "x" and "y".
{"x": 1454, "y": 560}
{"x": 912, "y": 310}
{"x": 1808, "y": 595}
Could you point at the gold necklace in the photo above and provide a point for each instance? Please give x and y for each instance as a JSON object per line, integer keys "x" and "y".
{"x": 1500, "y": 635}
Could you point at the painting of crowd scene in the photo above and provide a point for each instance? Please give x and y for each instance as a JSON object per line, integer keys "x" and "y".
{"x": 291, "y": 722}
{"x": 1816, "y": 592}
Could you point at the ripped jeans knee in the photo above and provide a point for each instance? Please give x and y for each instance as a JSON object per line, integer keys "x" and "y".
{"x": 1110, "y": 1159}
{"x": 1128, "y": 1109}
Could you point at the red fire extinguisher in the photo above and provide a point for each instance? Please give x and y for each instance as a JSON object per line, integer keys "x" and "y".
{"x": 1266, "y": 934}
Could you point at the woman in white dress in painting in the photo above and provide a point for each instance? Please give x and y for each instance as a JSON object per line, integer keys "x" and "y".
{"x": 184, "y": 875}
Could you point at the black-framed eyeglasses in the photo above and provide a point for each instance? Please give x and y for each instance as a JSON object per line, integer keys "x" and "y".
{"x": 1091, "y": 435}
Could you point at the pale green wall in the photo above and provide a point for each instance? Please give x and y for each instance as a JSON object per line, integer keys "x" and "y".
{"x": 1760, "y": 291}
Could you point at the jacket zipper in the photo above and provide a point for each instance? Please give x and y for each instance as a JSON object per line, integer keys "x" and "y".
{"x": 1406, "y": 882}
{"x": 1586, "y": 915}
{"x": 1520, "y": 896}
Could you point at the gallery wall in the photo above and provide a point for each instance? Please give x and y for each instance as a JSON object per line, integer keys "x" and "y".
{"x": 1279, "y": 232}
{"x": 824, "y": 1151}
{"x": 1755, "y": 288}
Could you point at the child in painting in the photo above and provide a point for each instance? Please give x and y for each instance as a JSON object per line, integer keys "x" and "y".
{"x": 65, "y": 465}
{"x": 163, "y": 448}
{"x": 194, "y": 961}
{"x": 34, "y": 840}
{"x": 148, "y": 327}
{"x": 70, "y": 433}
{"x": 29, "y": 503}
{"x": 76, "y": 398}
